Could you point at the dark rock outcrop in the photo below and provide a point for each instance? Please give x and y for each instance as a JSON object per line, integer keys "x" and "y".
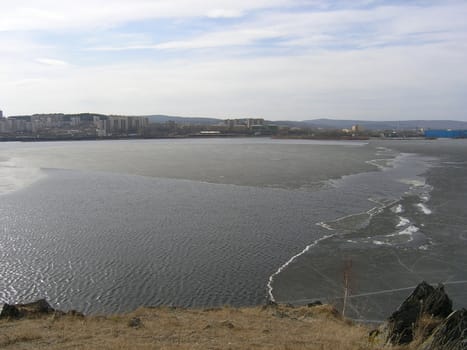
{"x": 36, "y": 308}
{"x": 9, "y": 311}
{"x": 451, "y": 334}
{"x": 314, "y": 303}
{"x": 424, "y": 301}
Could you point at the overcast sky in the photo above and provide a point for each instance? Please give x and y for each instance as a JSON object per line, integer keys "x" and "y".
{"x": 276, "y": 59}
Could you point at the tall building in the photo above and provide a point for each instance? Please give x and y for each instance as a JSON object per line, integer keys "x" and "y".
{"x": 248, "y": 123}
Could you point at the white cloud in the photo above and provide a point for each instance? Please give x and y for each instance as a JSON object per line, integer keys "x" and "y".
{"x": 52, "y": 62}
{"x": 224, "y": 13}
{"x": 389, "y": 83}
{"x": 219, "y": 39}
{"x": 387, "y": 25}
{"x": 233, "y": 37}
{"x": 387, "y": 62}
{"x": 20, "y": 15}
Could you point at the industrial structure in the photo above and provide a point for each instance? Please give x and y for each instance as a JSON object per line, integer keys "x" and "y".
{"x": 448, "y": 133}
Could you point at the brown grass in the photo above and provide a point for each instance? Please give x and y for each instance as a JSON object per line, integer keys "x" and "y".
{"x": 167, "y": 328}
{"x": 422, "y": 330}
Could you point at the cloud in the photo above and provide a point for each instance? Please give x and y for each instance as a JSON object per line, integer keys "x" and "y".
{"x": 388, "y": 82}
{"x": 219, "y": 39}
{"x": 224, "y": 13}
{"x": 52, "y": 62}
{"x": 329, "y": 29}
{"x": 24, "y": 15}
{"x": 277, "y": 59}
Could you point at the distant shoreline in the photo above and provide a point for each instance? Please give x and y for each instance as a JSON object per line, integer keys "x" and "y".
{"x": 217, "y": 136}
{"x": 93, "y": 138}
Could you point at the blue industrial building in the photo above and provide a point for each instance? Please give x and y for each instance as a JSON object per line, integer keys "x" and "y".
{"x": 450, "y": 134}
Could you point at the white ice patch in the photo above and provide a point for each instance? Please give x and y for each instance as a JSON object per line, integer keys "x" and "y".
{"x": 381, "y": 243}
{"x": 409, "y": 230}
{"x": 414, "y": 182}
{"x": 423, "y": 208}
{"x": 397, "y": 209}
{"x": 403, "y": 222}
{"x": 326, "y": 226}
{"x": 382, "y": 163}
{"x": 425, "y": 198}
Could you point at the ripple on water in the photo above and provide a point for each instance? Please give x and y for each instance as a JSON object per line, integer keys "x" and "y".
{"x": 155, "y": 241}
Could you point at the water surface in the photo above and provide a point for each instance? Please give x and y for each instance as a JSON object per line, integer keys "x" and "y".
{"x": 110, "y": 226}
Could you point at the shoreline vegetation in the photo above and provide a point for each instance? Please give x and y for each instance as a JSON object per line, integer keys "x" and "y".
{"x": 424, "y": 321}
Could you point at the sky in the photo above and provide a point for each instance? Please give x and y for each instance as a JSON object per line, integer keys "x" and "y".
{"x": 275, "y": 59}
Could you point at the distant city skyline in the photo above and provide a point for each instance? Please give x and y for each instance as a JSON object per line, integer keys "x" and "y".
{"x": 275, "y": 59}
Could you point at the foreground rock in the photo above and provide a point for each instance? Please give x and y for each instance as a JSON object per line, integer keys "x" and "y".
{"x": 36, "y": 308}
{"x": 451, "y": 334}
{"x": 424, "y": 302}
{"x": 425, "y": 320}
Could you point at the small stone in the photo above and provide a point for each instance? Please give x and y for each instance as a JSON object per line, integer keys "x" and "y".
{"x": 75, "y": 313}
{"x": 135, "y": 322}
{"x": 227, "y": 324}
{"x": 314, "y": 303}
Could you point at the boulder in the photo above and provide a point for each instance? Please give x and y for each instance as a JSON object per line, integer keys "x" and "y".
{"x": 451, "y": 334}
{"x": 9, "y": 311}
{"x": 425, "y": 300}
{"x": 36, "y": 308}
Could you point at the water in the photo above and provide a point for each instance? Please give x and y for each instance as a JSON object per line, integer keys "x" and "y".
{"x": 110, "y": 226}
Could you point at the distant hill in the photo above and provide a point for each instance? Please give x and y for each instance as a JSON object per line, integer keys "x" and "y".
{"x": 387, "y": 125}
{"x": 329, "y": 123}
{"x": 183, "y": 120}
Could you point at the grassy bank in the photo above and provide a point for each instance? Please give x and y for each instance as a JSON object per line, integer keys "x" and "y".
{"x": 280, "y": 327}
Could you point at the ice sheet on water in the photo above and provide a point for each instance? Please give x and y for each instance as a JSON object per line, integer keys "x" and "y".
{"x": 423, "y": 208}
{"x": 403, "y": 222}
{"x": 397, "y": 209}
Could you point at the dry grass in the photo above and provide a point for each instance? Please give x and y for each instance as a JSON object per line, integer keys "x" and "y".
{"x": 422, "y": 330}
{"x": 165, "y": 328}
